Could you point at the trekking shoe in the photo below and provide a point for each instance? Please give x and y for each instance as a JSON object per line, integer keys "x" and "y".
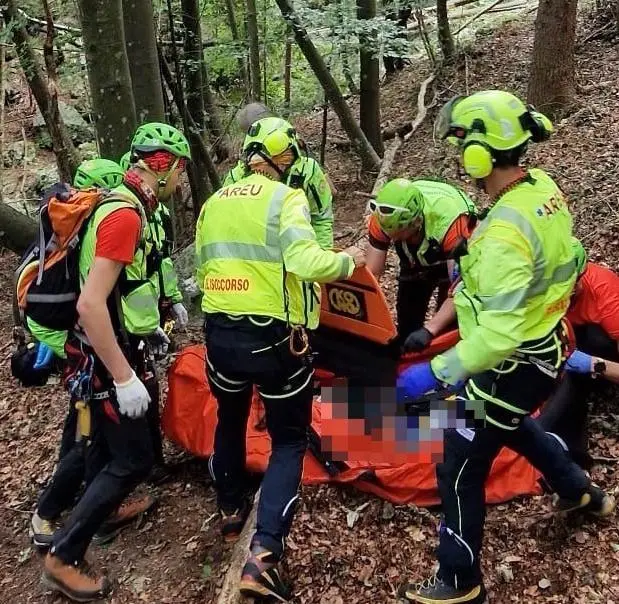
{"x": 41, "y": 531}
{"x": 601, "y": 503}
{"x": 435, "y": 591}
{"x": 261, "y": 577}
{"x": 78, "y": 583}
{"x": 128, "y": 511}
{"x": 232, "y": 524}
{"x": 594, "y": 501}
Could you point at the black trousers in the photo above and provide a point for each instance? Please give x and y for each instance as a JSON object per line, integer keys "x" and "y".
{"x": 469, "y": 454}
{"x": 414, "y": 292}
{"x": 566, "y": 411}
{"x": 242, "y": 354}
{"x": 78, "y": 463}
{"x": 118, "y": 458}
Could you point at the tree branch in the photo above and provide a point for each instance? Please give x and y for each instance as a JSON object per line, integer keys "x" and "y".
{"x": 229, "y": 591}
{"x": 476, "y": 16}
{"x": 57, "y": 26}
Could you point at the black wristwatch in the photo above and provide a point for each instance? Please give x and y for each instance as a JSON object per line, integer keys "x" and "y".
{"x": 599, "y": 368}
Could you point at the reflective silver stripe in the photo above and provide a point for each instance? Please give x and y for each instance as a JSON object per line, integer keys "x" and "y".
{"x": 487, "y": 397}
{"x": 292, "y": 234}
{"x": 240, "y": 251}
{"x": 452, "y": 371}
{"x": 269, "y": 252}
{"x": 526, "y": 228}
{"x": 346, "y": 262}
{"x": 139, "y": 301}
{"x": 288, "y": 394}
{"x": 561, "y": 273}
{"x": 51, "y": 298}
{"x": 539, "y": 284}
{"x": 506, "y": 301}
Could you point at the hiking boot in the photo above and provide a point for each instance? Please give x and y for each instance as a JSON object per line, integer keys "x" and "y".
{"x": 261, "y": 577}
{"x": 232, "y": 523}
{"x": 128, "y": 511}
{"x": 41, "y": 531}
{"x": 435, "y": 591}
{"x": 78, "y": 583}
{"x": 594, "y": 501}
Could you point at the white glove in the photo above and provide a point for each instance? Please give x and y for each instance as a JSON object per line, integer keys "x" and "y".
{"x": 132, "y": 397}
{"x": 159, "y": 342}
{"x": 180, "y": 312}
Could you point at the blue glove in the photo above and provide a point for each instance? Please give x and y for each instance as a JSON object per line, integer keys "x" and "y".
{"x": 44, "y": 356}
{"x": 579, "y": 362}
{"x": 416, "y": 380}
{"x": 455, "y": 274}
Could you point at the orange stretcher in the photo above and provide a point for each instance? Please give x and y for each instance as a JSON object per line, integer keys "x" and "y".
{"x": 356, "y": 341}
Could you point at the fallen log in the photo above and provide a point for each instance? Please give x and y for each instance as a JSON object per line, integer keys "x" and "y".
{"x": 390, "y": 152}
{"x": 17, "y": 231}
{"x": 230, "y": 589}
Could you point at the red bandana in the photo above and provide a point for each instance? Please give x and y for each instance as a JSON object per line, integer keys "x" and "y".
{"x": 146, "y": 195}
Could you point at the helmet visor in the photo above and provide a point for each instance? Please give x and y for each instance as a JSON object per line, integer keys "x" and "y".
{"x": 443, "y": 125}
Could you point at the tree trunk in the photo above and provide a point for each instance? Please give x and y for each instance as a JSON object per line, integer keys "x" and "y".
{"x": 193, "y": 79}
{"x": 17, "y": 231}
{"x": 193, "y": 61}
{"x": 445, "y": 39}
{"x": 108, "y": 74}
{"x": 369, "y": 70}
{"x": 254, "y": 49}
{"x": 195, "y": 170}
{"x": 141, "y": 44}
{"x": 182, "y": 108}
{"x": 234, "y": 31}
{"x": 221, "y": 144}
{"x": 67, "y": 157}
{"x": 552, "y": 84}
{"x": 332, "y": 91}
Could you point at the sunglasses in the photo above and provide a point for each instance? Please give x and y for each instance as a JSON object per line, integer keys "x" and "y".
{"x": 384, "y": 208}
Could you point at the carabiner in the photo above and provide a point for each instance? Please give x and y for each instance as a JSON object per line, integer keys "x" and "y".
{"x": 299, "y": 331}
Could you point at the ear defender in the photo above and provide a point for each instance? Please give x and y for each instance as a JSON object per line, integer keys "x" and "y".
{"x": 537, "y": 124}
{"x": 477, "y": 159}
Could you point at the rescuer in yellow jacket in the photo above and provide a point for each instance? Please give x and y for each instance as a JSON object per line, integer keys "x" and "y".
{"x": 516, "y": 281}
{"x": 259, "y": 262}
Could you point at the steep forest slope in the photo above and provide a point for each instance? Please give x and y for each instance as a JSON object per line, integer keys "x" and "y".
{"x": 175, "y": 556}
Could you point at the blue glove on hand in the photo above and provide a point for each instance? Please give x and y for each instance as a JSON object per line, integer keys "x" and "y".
{"x": 44, "y": 356}
{"x": 416, "y": 380}
{"x": 579, "y": 362}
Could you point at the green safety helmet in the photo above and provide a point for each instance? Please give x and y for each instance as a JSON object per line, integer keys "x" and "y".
{"x": 252, "y": 113}
{"x": 270, "y": 137}
{"x": 156, "y": 136}
{"x": 125, "y": 161}
{"x": 103, "y": 173}
{"x": 488, "y": 122}
{"x": 580, "y": 256}
{"x": 398, "y": 203}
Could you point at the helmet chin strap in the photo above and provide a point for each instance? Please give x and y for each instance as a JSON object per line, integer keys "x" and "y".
{"x": 162, "y": 181}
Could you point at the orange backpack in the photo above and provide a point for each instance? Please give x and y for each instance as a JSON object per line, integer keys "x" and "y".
{"x": 47, "y": 283}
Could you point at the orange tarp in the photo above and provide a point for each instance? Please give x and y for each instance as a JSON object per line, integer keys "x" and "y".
{"x": 190, "y": 416}
{"x": 356, "y": 306}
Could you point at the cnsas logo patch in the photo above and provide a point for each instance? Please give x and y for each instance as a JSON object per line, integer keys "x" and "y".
{"x": 227, "y": 284}
{"x": 346, "y": 302}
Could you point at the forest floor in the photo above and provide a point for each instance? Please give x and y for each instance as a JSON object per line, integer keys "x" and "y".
{"x": 175, "y": 555}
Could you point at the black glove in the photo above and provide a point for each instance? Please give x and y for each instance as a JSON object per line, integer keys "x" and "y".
{"x": 417, "y": 340}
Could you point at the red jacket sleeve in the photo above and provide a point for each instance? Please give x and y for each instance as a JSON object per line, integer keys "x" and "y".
{"x": 378, "y": 238}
